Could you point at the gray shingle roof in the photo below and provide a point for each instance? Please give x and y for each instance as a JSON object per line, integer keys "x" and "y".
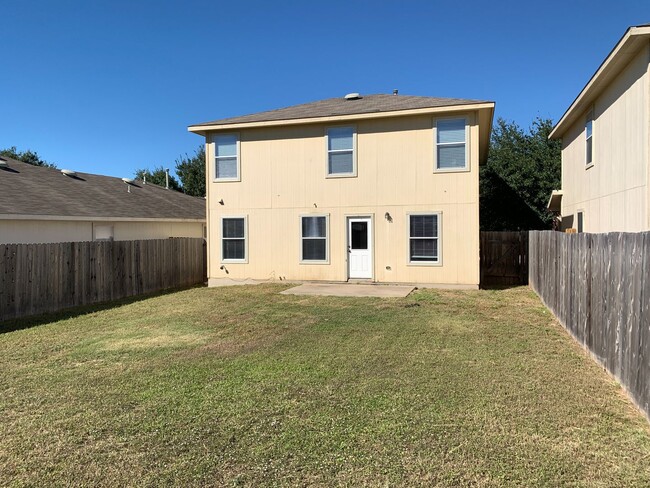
{"x": 35, "y": 190}
{"x": 368, "y": 104}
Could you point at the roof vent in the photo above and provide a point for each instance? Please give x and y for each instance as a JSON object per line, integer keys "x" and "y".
{"x": 353, "y": 96}
{"x": 68, "y": 172}
{"x": 128, "y": 181}
{"x": 3, "y": 163}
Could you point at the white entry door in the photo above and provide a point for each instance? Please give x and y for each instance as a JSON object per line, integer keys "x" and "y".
{"x": 359, "y": 247}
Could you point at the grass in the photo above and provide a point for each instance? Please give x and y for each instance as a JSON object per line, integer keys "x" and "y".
{"x": 242, "y": 386}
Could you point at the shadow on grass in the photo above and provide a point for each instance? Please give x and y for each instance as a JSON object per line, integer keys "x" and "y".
{"x": 12, "y": 325}
{"x": 493, "y": 286}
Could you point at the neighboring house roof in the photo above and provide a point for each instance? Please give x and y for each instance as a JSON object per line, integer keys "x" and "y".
{"x": 613, "y": 64}
{"x": 363, "y": 107}
{"x": 28, "y": 191}
{"x": 335, "y": 107}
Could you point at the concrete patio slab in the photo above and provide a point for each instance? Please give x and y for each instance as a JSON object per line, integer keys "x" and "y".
{"x": 349, "y": 290}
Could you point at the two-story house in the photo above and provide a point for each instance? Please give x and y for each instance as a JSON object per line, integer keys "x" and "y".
{"x": 380, "y": 187}
{"x": 605, "y": 142}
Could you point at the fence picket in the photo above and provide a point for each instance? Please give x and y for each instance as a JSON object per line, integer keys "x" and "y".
{"x": 598, "y": 287}
{"x": 40, "y": 278}
{"x": 504, "y": 258}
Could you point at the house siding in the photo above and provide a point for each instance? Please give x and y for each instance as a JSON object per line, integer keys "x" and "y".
{"x": 46, "y": 231}
{"x": 613, "y": 193}
{"x": 283, "y": 176}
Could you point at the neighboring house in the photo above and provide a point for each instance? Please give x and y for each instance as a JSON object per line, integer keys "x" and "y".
{"x": 39, "y": 205}
{"x": 605, "y": 140}
{"x": 379, "y": 187}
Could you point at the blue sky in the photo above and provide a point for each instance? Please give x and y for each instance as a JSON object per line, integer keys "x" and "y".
{"x": 110, "y": 86}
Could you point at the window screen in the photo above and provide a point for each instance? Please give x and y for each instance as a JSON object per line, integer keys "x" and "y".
{"x": 226, "y": 158}
{"x": 423, "y": 238}
{"x": 340, "y": 150}
{"x": 451, "y": 144}
{"x": 233, "y": 239}
{"x": 589, "y": 126}
{"x": 314, "y": 238}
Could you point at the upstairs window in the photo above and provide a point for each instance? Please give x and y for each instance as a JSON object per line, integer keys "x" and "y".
{"x": 580, "y": 218}
{"x": 451, "y": 144}
{"x": 341, "y": 160}
{"x": 424, "y": 237}
{"x": 314, "y": 238}
{"x": 226, "y": 150}
{"x": 233, "y": 239}
{"x": 589, "y": 126}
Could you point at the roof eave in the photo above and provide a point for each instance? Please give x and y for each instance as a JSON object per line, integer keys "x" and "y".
{"x": 486, "y": 117}
{"x": 555, "y": 201}
{"x": 202, "y": 129}
{"x": 615, "y": 61}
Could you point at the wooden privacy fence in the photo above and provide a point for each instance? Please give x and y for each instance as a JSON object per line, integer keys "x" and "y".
{"x": 598, "y": 286}
{"x": 39, "y": 278}
{"x": 504, "y": 258}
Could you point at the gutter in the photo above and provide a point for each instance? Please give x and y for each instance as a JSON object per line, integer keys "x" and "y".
{"x": 90, "y": 217}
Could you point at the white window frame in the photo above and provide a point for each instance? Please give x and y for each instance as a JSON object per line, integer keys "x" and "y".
{"x": 353, "y": 174}
{"x": 327, "y": 240}
{"x": 467, "y": 167}
{"x": 589, "y": 118}
{"x": 438, "y": 262}
{"x": 222, "y": 238}
{"x": 215, "y": 157}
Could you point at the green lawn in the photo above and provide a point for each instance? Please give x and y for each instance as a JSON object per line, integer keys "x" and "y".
{"x": 242, "y": 386}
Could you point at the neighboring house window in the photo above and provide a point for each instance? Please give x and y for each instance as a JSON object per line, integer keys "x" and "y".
{"x": 340, "y": 151}
{"x": 103, "y": 232}
{"x": 424, "y": 238}
{"x": 580, "y": 221}
{"x": 233, "y": 239}
{"x": 451, "y": 144}
{"x": 589, "y": 138}
{"x": 314, "y": 238}
{"x": 226, "y": 148}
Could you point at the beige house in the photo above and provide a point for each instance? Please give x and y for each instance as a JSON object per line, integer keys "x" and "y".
{"x": 605, "y": 142}
{"x": 381, "y": 188}
{"x": 41, "y": 205}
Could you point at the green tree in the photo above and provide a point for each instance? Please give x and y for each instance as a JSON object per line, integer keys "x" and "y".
{"x": 29, "y": 157}
{"x": 191, "y": 172}
{"x": 523, "y": 168}
{"x": 157, "y": 177}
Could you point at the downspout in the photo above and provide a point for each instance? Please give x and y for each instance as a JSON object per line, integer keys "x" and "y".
{"x": 647, "y": 147}
{"x": 207, "y": 210}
